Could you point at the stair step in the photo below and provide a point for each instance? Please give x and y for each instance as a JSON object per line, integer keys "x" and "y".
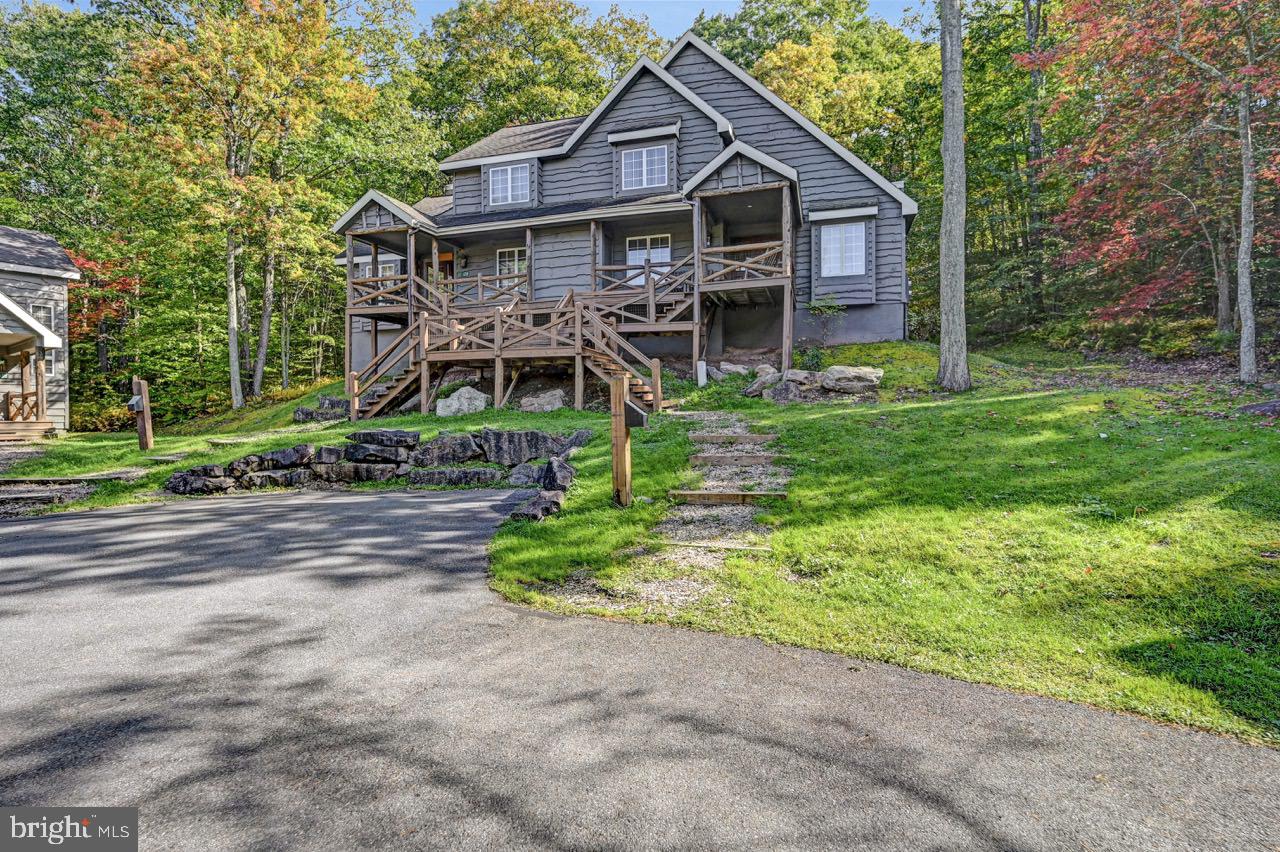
{"x": 734, "y": 460}
{"x": 726, "y": 438}
{"x": 721, "y": 498}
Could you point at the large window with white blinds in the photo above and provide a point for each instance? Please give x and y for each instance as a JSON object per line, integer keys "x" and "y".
{"x": 844, "y": 249}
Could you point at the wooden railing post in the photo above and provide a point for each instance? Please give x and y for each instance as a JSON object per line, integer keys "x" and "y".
{"x": 621, "y": 440}
{"x": 41, "y": 403}
{"x": 497, "y": 358}
{"x": 595, "y": 255}
{"x": 409, "y": 264}
{"x": 6, "y": 409}
{"x": 353, "y": 388}
{"x": 656, "y": 373}
{"x": 698, "y": 237}
{"x": 648, "y": 286}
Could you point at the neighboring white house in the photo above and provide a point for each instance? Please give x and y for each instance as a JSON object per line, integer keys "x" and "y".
{"x": 34, "y": 386}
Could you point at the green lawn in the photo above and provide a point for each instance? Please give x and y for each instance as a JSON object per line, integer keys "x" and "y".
{"x": 999, "y": 537}
{"x": 995, "y": 536}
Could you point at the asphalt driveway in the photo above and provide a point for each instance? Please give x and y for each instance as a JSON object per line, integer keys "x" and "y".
{"x": 330, "y": 671}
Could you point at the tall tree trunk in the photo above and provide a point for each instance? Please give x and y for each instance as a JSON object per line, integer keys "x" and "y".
{"x": 953, "y": 355}
{"x": 233, "y": 321}
{"x": 1033, "y": 18}
{"x": 284, "y": 343}
{"x": 1244, "y": 251}
{"x": 264, "y": 325}
{"x": 1222, "y": 281}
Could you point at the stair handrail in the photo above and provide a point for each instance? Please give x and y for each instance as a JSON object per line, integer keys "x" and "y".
{"x": 606, "y": 335}
{"x": 383, "y": 359}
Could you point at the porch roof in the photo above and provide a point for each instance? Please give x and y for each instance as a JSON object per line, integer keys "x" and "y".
{"x": 11, "y": 333}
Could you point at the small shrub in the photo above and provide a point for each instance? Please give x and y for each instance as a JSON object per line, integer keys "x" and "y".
{"x": 1177, "y": 339}
{"x": 98, "y": 415}
{"x": 809, "y": 358}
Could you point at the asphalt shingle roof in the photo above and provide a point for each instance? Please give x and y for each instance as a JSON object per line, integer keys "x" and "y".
{"x": 518, "y": 138}
{"x": 21, "y": 247}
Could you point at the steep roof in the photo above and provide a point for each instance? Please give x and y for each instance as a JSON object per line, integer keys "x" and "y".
{"x": 31, "y": 251}
{"x": 434, "y": 205}
{"x": 519, "y": 138}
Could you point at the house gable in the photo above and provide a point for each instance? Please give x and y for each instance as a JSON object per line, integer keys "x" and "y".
{"x": 829, "y": 175}
{"x": 648, "y": 112}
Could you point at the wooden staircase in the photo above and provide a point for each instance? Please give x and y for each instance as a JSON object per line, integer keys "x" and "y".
{"x": 21, "y": 431}
{"x": 395, "y": 375}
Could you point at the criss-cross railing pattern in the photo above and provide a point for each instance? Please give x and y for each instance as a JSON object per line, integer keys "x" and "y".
{"x": 743, "y": 262}
{"x": 644, "y": 293}
{"x": 20, "y": 406}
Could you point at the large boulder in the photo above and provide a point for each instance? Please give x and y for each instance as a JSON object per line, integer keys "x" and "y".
{"x": 842, "y": 379}
{"x": 298, "y": 456}
{"x": 760, "y": 385}
{"x": 551, "y": 400}
{"x": 350, "y": 472}
{"x": 714, "y": 375}
{"x": 327, "y": 455}
{"x": 785, "y": 392}
{"x": 215, "y": 471}
{"x": 539, "y": 506}
{"x": 189, "y": 482}
{"x": 465, "y": 400}
{"x": 275, "y": 479}
{"x": 247, "y": 464}
{"x": 513, "y": 447}
{"x": 454, "y": 477}
{"x": 804, "y": 378}
{"x": 734, "y": 369}
{"x": 557, "y": 474}
{"x": 386, "y": 437}
{"x": 1266, "y": 409}
{"x": 580, "y": 438}
{"x": 376, "y": 454}
{"x": 525, "y": 474}
{"x": 446, "y": 449}
{"x": 763, "y": 370}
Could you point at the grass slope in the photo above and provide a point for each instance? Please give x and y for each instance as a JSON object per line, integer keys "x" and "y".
{"x": 1094, "y": 546}
{"x": 995, "y": 536}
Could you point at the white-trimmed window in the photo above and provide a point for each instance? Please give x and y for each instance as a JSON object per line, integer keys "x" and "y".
{"x": 655, "y": 248}
{"x": 644, "y": 167}
{"x": 509, "y": 184}
{"x": 44, "y": 314}
{"x": 844, "y": 249}
{"x": 387, "y": 270}
{"x": 512, "y": 261}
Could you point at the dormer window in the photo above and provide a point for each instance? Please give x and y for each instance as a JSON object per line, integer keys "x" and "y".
{"x": 509, "y": 184}
{"x": 643, "y": 168}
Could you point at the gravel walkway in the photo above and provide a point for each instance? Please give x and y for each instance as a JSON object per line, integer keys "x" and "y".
{"x": 697, "y": 539}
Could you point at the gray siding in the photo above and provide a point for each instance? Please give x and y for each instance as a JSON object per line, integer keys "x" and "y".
{"x": 561, "y": 260}
{"x": 466, "y": 192}
{"x": 826, "y": 179}
{"x": 534, "y": 184}
{"x": 740, "y": 173}
{"x": 374, "y": 215}
{"x": 28, "y": 290}
{"x": 649, "y": 102}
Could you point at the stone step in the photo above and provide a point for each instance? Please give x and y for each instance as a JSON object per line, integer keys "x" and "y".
{"x": 720, "y": 498}
{"x": 726, "y": 438}
{"x": 734, "y": 459}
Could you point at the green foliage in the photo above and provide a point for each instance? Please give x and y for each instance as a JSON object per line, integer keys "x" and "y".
{"x": 485, "y": 64}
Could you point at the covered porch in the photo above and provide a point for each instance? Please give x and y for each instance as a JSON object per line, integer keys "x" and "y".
{"x": 24, "y": 408}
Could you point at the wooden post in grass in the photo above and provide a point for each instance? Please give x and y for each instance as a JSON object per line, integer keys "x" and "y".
{"x": 621, "y": 435}
{"x": 141, "y": 404}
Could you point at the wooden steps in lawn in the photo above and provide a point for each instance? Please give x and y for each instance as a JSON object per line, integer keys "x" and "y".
{"x": 726, "y": 438}
{"x": 732, "y": 459}
{"x": 723, "y": 498}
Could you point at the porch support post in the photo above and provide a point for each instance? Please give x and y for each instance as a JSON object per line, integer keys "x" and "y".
{"x": 528, "y": 262}
{"x": 410, "y": 264}
{"x": 788, "y": 290}
{"x": 697, "y": 288}
{"x": 435, "y": 260}
{"x": 39, "y": 365}
{"x": 351, "y": 274}
{"x": 497, "y": 360}
{"x": 595, "y": 253}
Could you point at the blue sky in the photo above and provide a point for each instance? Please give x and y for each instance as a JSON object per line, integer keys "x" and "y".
{"x": 672, "y": 17}
{"x": 669, "y": 17}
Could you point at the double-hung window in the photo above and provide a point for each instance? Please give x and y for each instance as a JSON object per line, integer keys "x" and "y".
{"x": 44, "y": 315}
{"x": 644, "y": 167}
{"x": 844, "y": 249}
{"x": 656, "y": 249}
{"x": 512, "y": 261}
{"x": 509, "y": 184}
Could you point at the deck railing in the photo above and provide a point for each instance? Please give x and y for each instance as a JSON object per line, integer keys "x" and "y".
{"x": 641, "y": 292}
{"x": 16, "y": 406}
{"x": 744, "y": 262}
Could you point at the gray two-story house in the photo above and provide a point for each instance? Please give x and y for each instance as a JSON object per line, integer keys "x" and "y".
{"x": 34, "y": 271}
{"x": 692, "y": 211}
